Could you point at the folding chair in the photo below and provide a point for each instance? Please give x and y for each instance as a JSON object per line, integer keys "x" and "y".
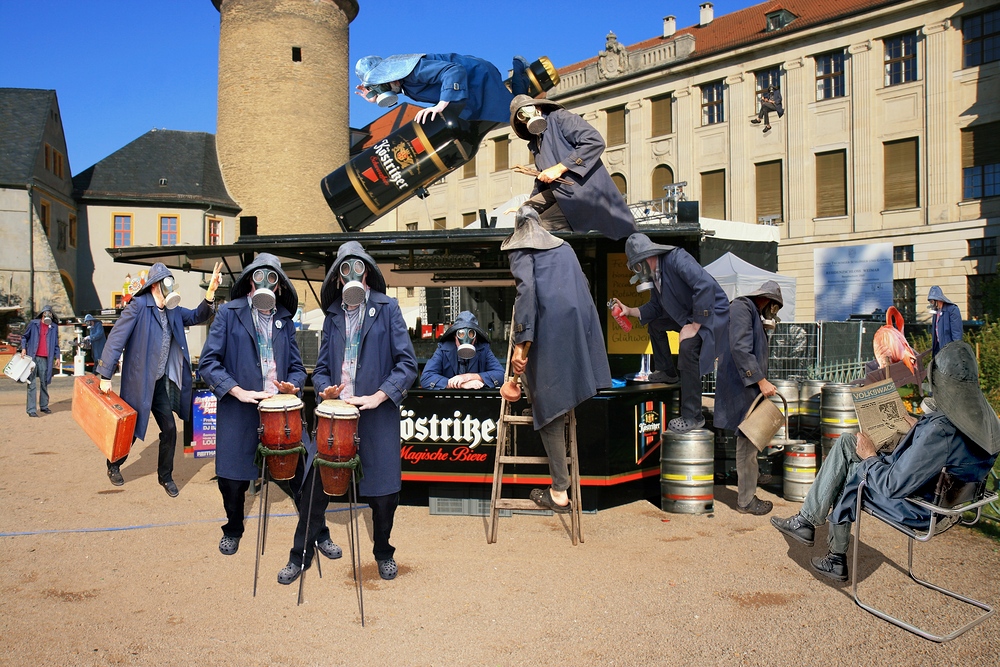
{"x": 951, "y": 500}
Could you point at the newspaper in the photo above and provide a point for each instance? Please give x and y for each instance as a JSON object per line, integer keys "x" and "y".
{"x": 881, "y": 414}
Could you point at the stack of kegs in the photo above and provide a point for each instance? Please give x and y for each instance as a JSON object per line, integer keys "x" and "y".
{"x": 687, "y": 472}
{"x": 800, "y": 469}
{"x": 810, "y": 397}
{"x": 789, "y": 389}
{"x": 837, "y": 414}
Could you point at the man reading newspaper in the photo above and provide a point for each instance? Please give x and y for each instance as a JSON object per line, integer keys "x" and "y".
{"x": 881, "y": 414}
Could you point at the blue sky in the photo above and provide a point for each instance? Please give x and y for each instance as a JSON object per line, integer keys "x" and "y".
{"x": 123, "y": 67}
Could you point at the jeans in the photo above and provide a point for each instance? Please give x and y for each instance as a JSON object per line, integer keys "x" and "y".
{"x": 688, "y": 364}
{"x": 41, "y": 372}
{"x": 553, "y": 437}
{"x": 747, "y": 470}
{"x": 838, "y": 466}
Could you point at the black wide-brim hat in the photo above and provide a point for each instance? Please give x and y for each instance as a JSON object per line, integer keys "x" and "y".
{"x": 519, "y": 126}
{"x": 287, "y": 296}
{"x": 331, "y": 284}
{"x": 954, "y": 378}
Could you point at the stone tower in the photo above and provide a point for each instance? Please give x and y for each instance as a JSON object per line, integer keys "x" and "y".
{"x": 284, "y": 91}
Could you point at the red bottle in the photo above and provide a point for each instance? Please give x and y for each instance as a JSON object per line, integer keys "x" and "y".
{"x": 616, "y": 312}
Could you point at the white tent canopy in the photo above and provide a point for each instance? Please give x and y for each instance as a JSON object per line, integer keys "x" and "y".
{"x": 738, "y": 278}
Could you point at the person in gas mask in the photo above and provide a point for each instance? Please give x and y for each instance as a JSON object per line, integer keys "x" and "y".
{"x": 946, "y": 322}
{"x": 41, "y": 342}
{"x": 156, "y": 369}
{"x": 251, "y": 354}
{"x": 741, "y": 377}
{"x": 573, "y": 190}
{"x": 95, "y": 338}
{"x": 366, "y": 359}
{"x": 469, "y": 87}
{"x": 684, "y": 298}
{"x": 567, "y": 363}
{"x": 463, "y": 358}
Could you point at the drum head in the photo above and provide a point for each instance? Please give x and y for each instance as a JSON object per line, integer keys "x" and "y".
{"x": 280, "y": 403}
{"x": 342, "y": 409}
{"x": 326, "y": 408}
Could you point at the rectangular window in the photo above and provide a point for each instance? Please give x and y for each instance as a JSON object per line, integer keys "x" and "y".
{"x": 123, "y": 230}
{"x": 616, "y": 126}
{"x": 469, "y": 170}
{"x": 983, "y": 247}
{"x": 981, "y": 37}
{"x": 981, "y": 161}
{"x": 663, "y": 119}
{"x": 831, "y": 184}
{"x": 213, "y": 228}
{"x": 168, "y": 230}
{"x": 410, "y": 292}
{"x": 61, "y": 235}
{"x": 501, "y": 149}
{"x": 901, "y": 174}
{"x": 765, "y": 78}
{"x": 904, "y": 297}
{"x": 468, "y": 219}
{"x": 117, "y": 302}
{"x": 769, "y": 192}
{"x": 712, "y": 103}
{"x": 72, "y": 230}
{"x": 900, "y": 59}
{"x": 45, "y": 216}
{"x": 902, "y": 253}
{"x": 977, "y": 291}
{"x": 440, "y": 223}
{"x": 58, "y": 164}
{"x": 411, "y": 226}
{"x": 713, "y": 194}
{"x": 830, "y": 76}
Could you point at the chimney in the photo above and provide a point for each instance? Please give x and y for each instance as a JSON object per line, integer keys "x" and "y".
{"x": 706, "y": 15}
{"x": 669, "y": 25}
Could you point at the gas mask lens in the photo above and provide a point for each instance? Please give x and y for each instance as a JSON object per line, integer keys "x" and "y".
{"x": 466, "y": 339}
{"x": 168, "y": 290}
{"x": 352, "y": 273}
{"x": 643, "y": 278}
{"x": 383, "y": 95}
{"x": 770, "y": 316}
{"x": 532, "y": 117}
{"x": 264, "y": 284}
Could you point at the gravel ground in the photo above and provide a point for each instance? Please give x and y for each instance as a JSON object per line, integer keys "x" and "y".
{"x": 97, "y": 575}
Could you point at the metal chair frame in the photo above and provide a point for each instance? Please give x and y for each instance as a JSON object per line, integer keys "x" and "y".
{"x": 971, "y": 497}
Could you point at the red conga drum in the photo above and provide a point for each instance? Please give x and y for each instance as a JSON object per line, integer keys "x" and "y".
{"x": 336, "y": 440}
{"x": 281, "y": 428}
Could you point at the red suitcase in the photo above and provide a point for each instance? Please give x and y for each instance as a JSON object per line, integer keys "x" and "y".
{"x": 106, "y": 418}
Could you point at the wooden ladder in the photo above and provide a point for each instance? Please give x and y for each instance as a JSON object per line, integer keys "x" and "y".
{"x": 506, "y": 454}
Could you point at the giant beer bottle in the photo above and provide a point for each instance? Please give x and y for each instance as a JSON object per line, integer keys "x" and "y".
{"x": 388, "y": 173}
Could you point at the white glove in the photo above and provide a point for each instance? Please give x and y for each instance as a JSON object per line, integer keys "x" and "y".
{"x": 105, "y": 386}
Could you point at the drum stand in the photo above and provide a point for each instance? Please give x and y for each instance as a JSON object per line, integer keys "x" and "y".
{"x": 261, "y": 522}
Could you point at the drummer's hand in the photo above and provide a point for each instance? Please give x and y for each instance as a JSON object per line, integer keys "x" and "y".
{"x": 331, "y": 392}
{"x": 767, "y": 388}
{"x": 368, "y": 402}
{"x": 286, "y": 387}
{"x": 472, "y": 383}
{"x": 105, "y": 386}
{"x": 244, "y": 396}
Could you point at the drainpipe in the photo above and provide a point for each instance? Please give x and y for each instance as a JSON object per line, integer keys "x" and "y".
{"x": 31, "y": 250}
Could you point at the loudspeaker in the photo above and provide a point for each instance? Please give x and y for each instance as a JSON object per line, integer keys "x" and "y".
{"x": 687, "y": 211}
{"x": 248, "y": 225}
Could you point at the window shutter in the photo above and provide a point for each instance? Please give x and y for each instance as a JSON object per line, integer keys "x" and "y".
{"x": 662, "y": 117}
{"x": 662, "y": 175}
{"x": 831, "y": 184}
{"x": 616, "y": 126}
{"x": 621, "y": 184}
{"x": 713, "y": 194}
{"x": 500, "y": 159}
{"x": 769, "y": 189}
{"x": 901, "y": 174}
{"x": 981, "y": 145}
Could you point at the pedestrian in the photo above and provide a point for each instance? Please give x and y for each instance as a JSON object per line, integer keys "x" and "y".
{"x": 573, "y": 190}
{"x": 41, "y": 343}
{"x": 156, "y": 369}
{"x": 463, "y": 358}
{"x": 769, "y": 101}
{"x": 946, "y": 325}
{"x": 741, "y": 378}
{"x": 95, "y": 338}
{"x": 684, "y": 298}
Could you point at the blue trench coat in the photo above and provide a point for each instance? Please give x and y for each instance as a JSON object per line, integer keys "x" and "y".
{"x": 385, "y": 361}
{"x": 567, "y": 362}
{"x": 689, "y": 294}
{"x": 139, "y": 334}
{"x": 460, "y": 79}
{"x": 231, "y": 358}
{"x": 29, "y": 343}
{"x": 443, "y": 366}
{"x": 742, "y": 364}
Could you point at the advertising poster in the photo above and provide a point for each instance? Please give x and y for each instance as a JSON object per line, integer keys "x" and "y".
{"x": 203, "y": 425}
{"x": 852, "y": 280}
{"x": 637, "y": 340}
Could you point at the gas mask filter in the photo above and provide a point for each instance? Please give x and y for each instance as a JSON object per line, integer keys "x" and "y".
{"x": 466, "y": 339}
{"x": 931, "y": 308}
{"x": 532, "y": 117}
{"x": 643, "y": 278}
{"x": 383, "y": 95}
{"x": 46, "y": 319}
{"x": 770, "y": 315}
{"x": 168, "y": 290}
{"x": 352, "y": 273}
{"x": 265, "y": 281}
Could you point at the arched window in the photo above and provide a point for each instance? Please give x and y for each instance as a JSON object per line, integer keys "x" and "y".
{"x": 621, "y": 184}
{"x": 662, "y": 175}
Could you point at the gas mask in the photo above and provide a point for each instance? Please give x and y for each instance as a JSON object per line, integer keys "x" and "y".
{"x": 352, "y": 273}
{"x": 46, "y": 318}
{"x": 168, "y": 290}
{"x": 931, "y": 308}
{"x": 532, "y": 116}
{"x": 643, "y": 278}
{"x": 466, "y": 339}
{"x": 769, "y": 314}
{"x": 384, "y": 94}
{"x": 265, "y": 281}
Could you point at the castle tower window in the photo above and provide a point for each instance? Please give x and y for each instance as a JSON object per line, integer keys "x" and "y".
{"x": 296, "y": 54}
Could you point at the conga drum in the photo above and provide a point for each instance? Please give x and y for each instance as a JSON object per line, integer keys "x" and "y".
{"x": 336, "y": 440}
{"x": 281, "y": 428}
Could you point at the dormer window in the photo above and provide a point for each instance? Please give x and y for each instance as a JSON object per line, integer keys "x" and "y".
{"x": 778, "y": 20}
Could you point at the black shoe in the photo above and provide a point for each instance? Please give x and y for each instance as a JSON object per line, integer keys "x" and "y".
{"x": 32, "y": 414}
{"x": 229, "y": 545}
{"x": 329, "y": 549}
{"x": 797, "y": 528}
{"x": 661, "y": 376}
{"x": 387, "y": 569}
{"x": 289, "y": 573}
{"x": 46, "y": 411}
{"x": 756, "y": 121}
{"x": 115, "y": 475}
{"x": 756, "y": 506}
{"x": 833, "y": 566}
{"x": 767, "y": 128}
{"x": 170, "y": 488}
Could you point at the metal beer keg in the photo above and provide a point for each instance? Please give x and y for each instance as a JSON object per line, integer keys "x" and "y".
{"x": 837, "y": 414}
{"x": 687, "y": 472}
{"x": 810, "y": 394}
{"x": 789, "y": 389}
{"x": 800, "y": 469}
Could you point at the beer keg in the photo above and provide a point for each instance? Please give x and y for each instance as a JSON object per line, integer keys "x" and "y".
{"x": 687, "y": 472}
{"x": 800, "y": 469}
{"x": 810, "y": 393}
{"x": 725, "y": 456}
{"x": 836, "y": 414}
{"x": 789, "y": 389}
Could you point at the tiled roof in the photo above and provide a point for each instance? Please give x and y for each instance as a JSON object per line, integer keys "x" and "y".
{"x": 384, "y": 125}
{"x": 187, "y": 160}
{"x": 747, "y": 26}
{"x": 23, "y": 114}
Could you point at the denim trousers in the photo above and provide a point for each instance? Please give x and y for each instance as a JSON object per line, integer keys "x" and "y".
{"x": 838, "y": 466}
{"x": 40, "y": 374}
